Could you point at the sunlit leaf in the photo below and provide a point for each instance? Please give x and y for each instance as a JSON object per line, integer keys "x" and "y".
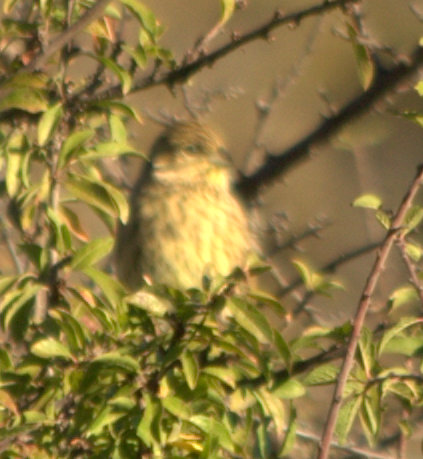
{"x": 323, "y": 374}
{"x": 369, "y": 201}
{"x": 72, "y": 144}
{"x": 396, "y": 329}
{"x": 25, "y": 98}
{"x": 190, "y": 369}
{"x": 144, "y": 15}
{"x": 403, "y": 295}
{"x": 123, "y": 75}
{"x": 346, "y": 418}
{"x": 51, "y": 348}
{"x": 227, "y": 8}
{"x": 91, "y": 253}
{"x": 413, "y": 217}
{"x": 103, "y": 196}
{"x": 289, "y": 389}
{"x": 48, "y": 123}
{"x": 251, "y": 319}
{"x": 117, "y": 361}
{"x": 73, "y": 222}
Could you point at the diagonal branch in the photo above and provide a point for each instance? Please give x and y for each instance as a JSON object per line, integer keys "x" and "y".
{"x": 384, "y": 82}
{"x": 393, "y": 233}
{"x": 183, "y": 72}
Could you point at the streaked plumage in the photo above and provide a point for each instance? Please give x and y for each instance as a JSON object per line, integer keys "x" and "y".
{"x": 185, "y": 219}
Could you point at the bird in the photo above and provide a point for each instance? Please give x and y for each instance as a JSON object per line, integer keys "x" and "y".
{"x": 186, "y": 221}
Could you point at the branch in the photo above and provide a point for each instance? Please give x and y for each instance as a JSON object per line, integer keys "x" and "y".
{"x": 58, "y": 42}
{"x": 333, "y": 265}
{"x": 372, "y": 280}
{"x": 354, "y": 450}
{"x": 385, "y": 81}
{"x": 186, "y": 70}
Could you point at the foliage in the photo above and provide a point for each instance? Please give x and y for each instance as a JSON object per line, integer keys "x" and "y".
{"x": 88, "y": 369}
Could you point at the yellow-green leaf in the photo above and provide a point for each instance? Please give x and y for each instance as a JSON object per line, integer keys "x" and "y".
{"x": 369, "y": 201}
{"x": 50, "y": 348}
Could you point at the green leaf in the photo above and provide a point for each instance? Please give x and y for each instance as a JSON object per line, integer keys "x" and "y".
{"x": 72, "y": 221}
{"x": 117, "y": 129}
{"x": 91, "y": 253}
{"x": 71, "y": 327}
{"x": 117, "y": 361}
{"x": 145, "y": 429}
{"x": 138, "y": 54}
{"x": 28, "y": 99}
{"x": 123, "y": 76}
{"x": 405, "y": 345}
{"x": 419, "y": 85}
{"x": 263, "y": 439}
{"x": 155, "y": 305}
{"x": 112, "y": 289}
{"x": 102, "y": 196}
{"x": 119, "y": 108}
{"x": 48, "y": 123}
{"x": 211, "y": 426}
{"x": 366, "y": 68}
{"x": 272, "y": 406}
{"x": 346, "y": 418}
{"x": 383, "y": 218}
{"x": 227, "y": 375}
{"x": 413, "y": 217}
{"x": 403, "y": 323}
{"x": 403, "y": 295}
{"x": 177, "y": 407}
{"x": 190, "y": 369}
{"x": 289, "y": 389}
{"x": 16, "y": 300}
{"x": 106, "y": 417}
{"x": 283, "y": 348}
{"x": 13, "y": 167}
{"x": 369, "y": 201}
{"x": 61, "y": 242}
{"x": 414, "y": 116}
{"x": 322, "y": 375}
{"x": 370, "y": 414}
{"x": 50, "y": 348}
{"x": 227, "y": 8}
{"x": 144, "y": 15}
{"x": 6, "y": 362}
{"x": 33, "y": 417}
{"x": 414, "y": 251}
{"x": 110, "y": 149}
{"x": 72, "y": 145}
{"x": 251, "y": 319}
{"x": 290, "y": 434}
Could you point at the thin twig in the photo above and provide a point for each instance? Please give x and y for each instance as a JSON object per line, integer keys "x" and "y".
{"x": 355, "y": 450}
{"x": 279, "y": 91}
{"x": 276, "y": 163}
{"x": 185, "y": 71}
{"x": 362, "y": 308}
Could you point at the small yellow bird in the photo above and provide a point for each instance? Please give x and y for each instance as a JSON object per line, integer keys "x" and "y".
{"x": 185, "y": 221}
